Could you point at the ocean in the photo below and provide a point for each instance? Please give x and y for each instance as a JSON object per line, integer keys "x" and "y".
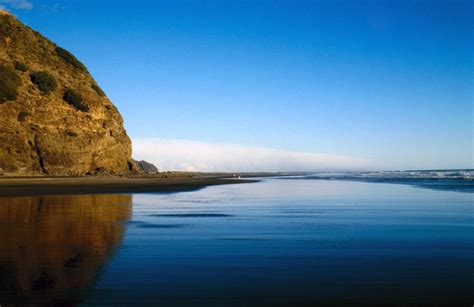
{"x": 289, "y": 241}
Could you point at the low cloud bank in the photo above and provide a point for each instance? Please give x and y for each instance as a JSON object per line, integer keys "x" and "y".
{"x": 184, "y": 155}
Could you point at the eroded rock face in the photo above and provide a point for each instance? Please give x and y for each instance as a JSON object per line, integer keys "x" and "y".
{"x": 64, "y": 126}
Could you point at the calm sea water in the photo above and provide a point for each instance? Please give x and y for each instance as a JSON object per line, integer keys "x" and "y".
{"x": 279, "y": 242}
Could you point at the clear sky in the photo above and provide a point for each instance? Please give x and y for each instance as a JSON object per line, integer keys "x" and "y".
{"x": 380, "y": 84}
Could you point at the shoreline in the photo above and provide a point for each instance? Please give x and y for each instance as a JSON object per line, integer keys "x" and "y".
{"x": 36, "y": 186}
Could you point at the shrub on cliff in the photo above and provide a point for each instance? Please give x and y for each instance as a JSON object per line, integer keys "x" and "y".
{"x": 9, "y": 84}
{"x": 75, "y": 99}
{"x": 22, "y": 116}
{"x": 98, "y": 90}
{"x": 71, "y": 133}
{"x": 21, "y": 67}
{"x": 70, "y": 58}
{"x": 44, "y": 81}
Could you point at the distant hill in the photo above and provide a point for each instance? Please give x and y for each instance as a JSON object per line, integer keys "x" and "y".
{"x": 146, "y": 167}
{"x": 54, "y": 118}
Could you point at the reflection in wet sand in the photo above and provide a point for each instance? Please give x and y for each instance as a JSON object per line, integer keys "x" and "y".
{"x": 53, "y": 247}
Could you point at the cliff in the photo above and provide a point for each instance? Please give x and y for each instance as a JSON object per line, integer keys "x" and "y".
{"x": 54, "y": 118}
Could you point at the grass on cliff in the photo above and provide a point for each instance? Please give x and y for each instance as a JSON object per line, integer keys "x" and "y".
{"x": 75, "y": 99}
{"x": 9, "y": 84}
{"x": 70, "y": 58}
{"x": 44, "y": 81}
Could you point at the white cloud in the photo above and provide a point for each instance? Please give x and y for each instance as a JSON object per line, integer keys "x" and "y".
{"x": 16, "y": 4}
{"x": 185, "y": 155}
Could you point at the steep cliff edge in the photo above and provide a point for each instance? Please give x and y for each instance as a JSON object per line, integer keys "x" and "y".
{"x": 54, "y": 118}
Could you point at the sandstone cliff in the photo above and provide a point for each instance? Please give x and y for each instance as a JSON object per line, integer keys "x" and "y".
{"x": 54, "y": 118}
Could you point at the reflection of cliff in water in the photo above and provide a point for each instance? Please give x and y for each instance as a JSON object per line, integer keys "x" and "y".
{"x": 52, "y": 247}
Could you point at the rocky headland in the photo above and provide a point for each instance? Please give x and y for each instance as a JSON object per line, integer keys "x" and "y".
{"x": 54, "y": 118}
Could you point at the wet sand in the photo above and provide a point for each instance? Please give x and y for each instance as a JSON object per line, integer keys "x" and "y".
{"x": 101, "y": 185}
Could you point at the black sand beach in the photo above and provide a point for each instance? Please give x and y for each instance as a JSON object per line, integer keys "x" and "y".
{"x": 103, "y": 185}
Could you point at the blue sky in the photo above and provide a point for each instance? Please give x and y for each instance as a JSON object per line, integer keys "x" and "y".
{"x": 387, "y": 83}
